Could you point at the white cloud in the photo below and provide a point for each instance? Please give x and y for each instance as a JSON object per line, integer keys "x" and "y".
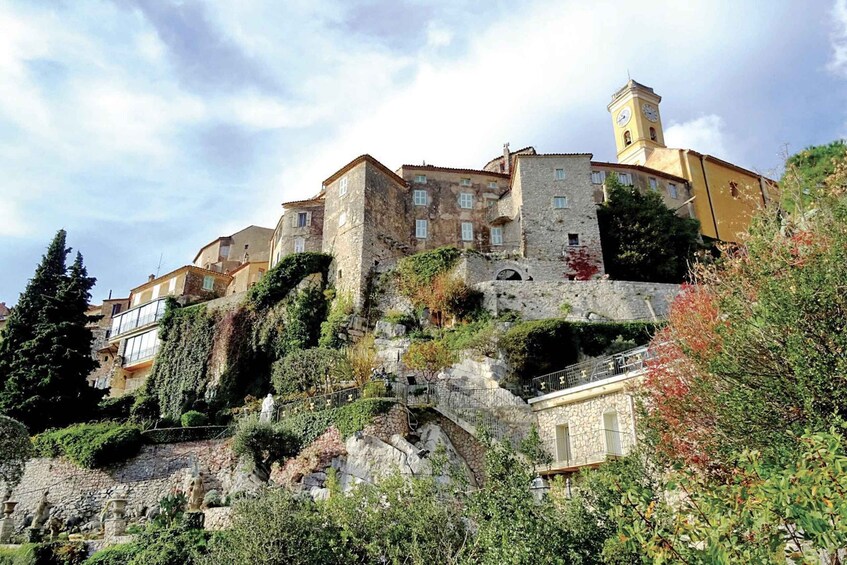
{"x": 705, "y": 134}
{"x": 838, "y": 40}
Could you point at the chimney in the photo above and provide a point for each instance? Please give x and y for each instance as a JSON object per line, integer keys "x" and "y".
{"x": 507, "y": 161}
{"x": 151, "y": 278}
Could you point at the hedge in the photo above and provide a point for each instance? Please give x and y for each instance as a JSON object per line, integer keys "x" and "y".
{"x": 90, "y": 445}
{"x": 176, "y": 435}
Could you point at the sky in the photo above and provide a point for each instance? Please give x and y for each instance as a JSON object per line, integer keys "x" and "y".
{"x": 147, "y": 128}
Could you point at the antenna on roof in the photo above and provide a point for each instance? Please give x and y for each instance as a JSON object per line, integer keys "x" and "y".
{"x": 159, "y": 266}
{"x": 628, "y": 78}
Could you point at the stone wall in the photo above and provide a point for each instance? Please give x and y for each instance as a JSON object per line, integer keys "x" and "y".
{"x": 585, "y": 300}
{"x": 545, "y": 228}
{"x": 590, "y": 435}
{"x": 467, "y": 446}
{"x": 79, "y": 493}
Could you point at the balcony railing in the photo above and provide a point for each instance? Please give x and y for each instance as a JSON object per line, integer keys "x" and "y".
{"x": 137, "y": 317}
{"x": 589, "y": 448}
{"x": 630, "y": 361}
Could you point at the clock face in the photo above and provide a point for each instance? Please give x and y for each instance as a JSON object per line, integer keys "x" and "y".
{"x": 623, "y": 117}
{"x": 650, "y": 112}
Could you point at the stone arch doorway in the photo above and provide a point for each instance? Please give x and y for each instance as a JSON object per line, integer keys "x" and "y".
{"x": 508, "y": 275}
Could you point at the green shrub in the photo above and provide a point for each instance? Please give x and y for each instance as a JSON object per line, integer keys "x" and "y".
{"x": 264, "y": 443}
{"x": 480, "y": 337}
{"x": 193, "y": 418}
{"x": 49, "y": 553}
{"x": 407, "y": 319}
{"x": 287, "y": 274}
{"x": 339, "y": 315}
{"x": 374, "y": 389}
{"x": 538, "y": 347}
{"x": 348, "y": 419}
{"x": 90, "y": 445}
{"x": 212, "y": 499}
{"x": 116, "y": 408}
{"x": 308, "y": 370}
{"x": 120, "y": 554}
{"x": 419, "y": 270}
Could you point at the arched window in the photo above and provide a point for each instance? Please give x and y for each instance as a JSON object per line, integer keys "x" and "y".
{"x": 627, "y": 138}
{"x": 653, "y": 136}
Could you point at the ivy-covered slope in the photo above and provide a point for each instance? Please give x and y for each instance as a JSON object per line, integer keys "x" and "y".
{"x": 209, "y": 360}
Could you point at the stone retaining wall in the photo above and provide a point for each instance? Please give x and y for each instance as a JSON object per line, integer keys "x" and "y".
{"x": 79, "y": 494}
{"x": 580, "y": 300}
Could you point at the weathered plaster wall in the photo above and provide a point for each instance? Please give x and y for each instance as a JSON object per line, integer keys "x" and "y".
{"x": 587, "y": 300}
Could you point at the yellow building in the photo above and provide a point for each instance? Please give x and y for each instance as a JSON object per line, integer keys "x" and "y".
{"x": 724, "y": 195}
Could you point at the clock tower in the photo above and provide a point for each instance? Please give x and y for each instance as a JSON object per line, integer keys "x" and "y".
{"x": 636, "y": 122}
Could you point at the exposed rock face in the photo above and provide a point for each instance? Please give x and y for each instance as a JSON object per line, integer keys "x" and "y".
{"x": 387, "y": 330}
{"x": 369, "y": 458}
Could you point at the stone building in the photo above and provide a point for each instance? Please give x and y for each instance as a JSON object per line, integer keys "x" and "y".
{"x": 133, "y": 337}
{"x": 101, "y": 328}
{"x": 532, "y": 216}
{"x": 586, "y": 413}
{"x": 5, "y": 312}
{"x": 227, "y": 253}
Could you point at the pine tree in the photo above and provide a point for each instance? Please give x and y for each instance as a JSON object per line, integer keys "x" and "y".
{"x": 46, "y": 352}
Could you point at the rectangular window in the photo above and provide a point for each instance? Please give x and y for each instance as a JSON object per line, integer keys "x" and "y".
{"x": 420, "y": 229}
{"x": 299, "y": 245}
{"x": 560, "y": 202}
{"x": 208, "y": 283}
{"x": 654, "y": 184}
{"x": 420, "y": 179}
{"x": 419, "y": 197}
{"x": 466, "y": 200}
{"x": 156, "y": 290}
{"x": 625, "y": 178}
{"x": 467, "y": 231}
{"x": 172, "y": 285}
{"x": 573, "y": 239}
{"x": 598, "y": 177}
{"x": 342, "y": 186}
{"x": 136, "y": 299}
{"x": 563, "y": 443}
{"x": 116, "y": 309}
{"x": 492, "y": 184}
{"x": 497, "y": 236}
{"x": 559, "y": 174}
{"x": 302, "y": 219}
{"x": 224, "y": 251}
{"x": 465, "y": 182}
{"x": 672, "y": 191}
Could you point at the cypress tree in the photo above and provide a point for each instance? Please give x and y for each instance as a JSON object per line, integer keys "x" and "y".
{"x": 46, "y": 352}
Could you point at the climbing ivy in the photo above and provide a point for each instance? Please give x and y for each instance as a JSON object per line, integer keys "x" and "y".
{"x": 339, "y": 315}
{"x": 287, "y": 274}
{"x": 178, "y": 380}
{"x": 419, "y": 270}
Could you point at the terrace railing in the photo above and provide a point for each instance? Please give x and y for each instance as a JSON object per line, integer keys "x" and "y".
{"x": 628, "y": 362}
{"x": 590, "y": 447}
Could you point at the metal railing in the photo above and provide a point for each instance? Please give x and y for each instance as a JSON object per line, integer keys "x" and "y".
{"x": 502, "y": 415}
{"x": 595, "y": 370}
{"x": 590, "y": 447}
{"x": 317, "y": 403}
